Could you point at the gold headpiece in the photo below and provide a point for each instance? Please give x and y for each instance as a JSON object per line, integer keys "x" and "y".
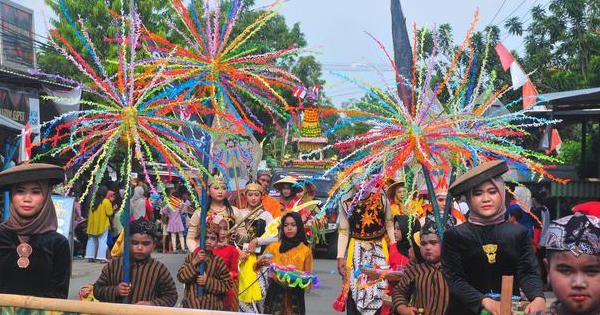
{"x": 218, "y": 181}
{"x": 254, "y": 187}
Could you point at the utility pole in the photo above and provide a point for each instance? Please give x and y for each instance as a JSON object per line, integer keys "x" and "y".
{"x": 402, "y": 50}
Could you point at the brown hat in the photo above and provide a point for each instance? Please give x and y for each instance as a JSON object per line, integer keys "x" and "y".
{"x": 27, "y": 172}
{"x": 391, "y": 190}
{"x": 485, "y": 171}
{"x": 287, "y": 180}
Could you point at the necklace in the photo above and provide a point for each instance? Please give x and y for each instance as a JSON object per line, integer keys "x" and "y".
{"x": 24, "y": 250}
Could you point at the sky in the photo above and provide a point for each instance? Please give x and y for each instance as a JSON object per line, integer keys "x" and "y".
{"x": 337, "y": 31}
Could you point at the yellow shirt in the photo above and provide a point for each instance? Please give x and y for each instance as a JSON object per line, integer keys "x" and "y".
{"x": 299, "y": 256}
{"x": 98, "y": 220}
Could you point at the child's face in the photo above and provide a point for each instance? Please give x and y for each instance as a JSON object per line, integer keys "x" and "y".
{"x": 254, "y": 198}
{"x": 223, "y": 231}
{"x": 141, "y": 246}
{"x": 289, "y": 227}
{"x": 575, "y": 281}
{"x": 431, "y": 248}
{"x": 286, "y": 190}
{"x": 211, "y": 240}
{"x": 217, "y": 192}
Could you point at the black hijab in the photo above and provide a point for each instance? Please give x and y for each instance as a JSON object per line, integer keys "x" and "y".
{"x": 289, "y": 243}
{"x": 403, "y": 222}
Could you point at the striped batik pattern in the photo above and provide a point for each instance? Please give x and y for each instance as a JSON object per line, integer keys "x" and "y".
{"x": 218, "y": 282}
{"x": 424, "y": 285}
{"x": 150, "y": 281}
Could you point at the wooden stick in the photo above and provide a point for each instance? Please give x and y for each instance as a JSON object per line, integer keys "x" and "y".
{"x": 100, "y": 308}
{"x": 506, "y": 295}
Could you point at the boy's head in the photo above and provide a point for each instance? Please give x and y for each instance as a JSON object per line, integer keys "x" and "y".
{"x": 430, "y": 246}
{"x": 515, "y": 216}
{"x": 573, "y": 263}
{"x": 142, "y": 239}
{"x": 212, "y": 235}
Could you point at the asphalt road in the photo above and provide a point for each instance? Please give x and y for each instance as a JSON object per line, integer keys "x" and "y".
{"x": 318, "y": 301}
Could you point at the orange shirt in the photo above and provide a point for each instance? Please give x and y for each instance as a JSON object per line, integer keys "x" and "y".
{"x": 272, "y": 205}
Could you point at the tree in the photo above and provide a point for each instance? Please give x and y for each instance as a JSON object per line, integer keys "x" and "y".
{"x": 514, "y": 26}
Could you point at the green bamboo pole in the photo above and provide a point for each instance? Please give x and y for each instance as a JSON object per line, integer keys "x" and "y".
{"x": 436, "y": 209}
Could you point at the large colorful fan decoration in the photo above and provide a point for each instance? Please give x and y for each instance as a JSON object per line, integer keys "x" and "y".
{"x": 227, "y": 68}
{"x": 132, "y": 108}
{"x": 411, "y": 128}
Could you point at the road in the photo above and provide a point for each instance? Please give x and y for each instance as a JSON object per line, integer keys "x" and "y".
{"x": 318, "y": 301}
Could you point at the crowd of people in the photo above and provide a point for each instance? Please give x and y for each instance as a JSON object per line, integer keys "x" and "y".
{"x": 449, "y": 261}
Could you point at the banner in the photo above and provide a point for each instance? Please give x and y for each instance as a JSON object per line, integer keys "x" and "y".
{"x": 64, "y": 214}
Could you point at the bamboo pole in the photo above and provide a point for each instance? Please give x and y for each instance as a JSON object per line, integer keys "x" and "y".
{"x": 448, "y": 207}
{"x": 99, "y": 308}
{"x": 506, "y": 295}
{"x": 204, "y": 204}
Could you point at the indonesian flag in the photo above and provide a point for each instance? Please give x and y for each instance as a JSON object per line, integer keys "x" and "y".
{"x": 25, "y": 147}
{"x": 518, "y": 76}
{"x": 555, "y": 142}
{"x": 300, "y": 92}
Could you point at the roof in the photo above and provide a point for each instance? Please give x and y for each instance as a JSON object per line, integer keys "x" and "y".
{"x": 569, "y": 105}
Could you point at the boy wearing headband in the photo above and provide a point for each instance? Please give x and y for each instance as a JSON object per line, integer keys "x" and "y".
{"x": 573, "y": 263}
{"x": 151, "y": 282}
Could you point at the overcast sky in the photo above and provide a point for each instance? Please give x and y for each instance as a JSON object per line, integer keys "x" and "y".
{"x": 336, "y": 29}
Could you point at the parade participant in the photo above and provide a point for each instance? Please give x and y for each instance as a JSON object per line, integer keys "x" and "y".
{"x": 99, "y": 225}
{"x": 288, "y": 189}
{"x": 138, "y": 203}
{"x": 395, "y": 193}
{"x": 34, "y": 258}
{"x": 403, "y": 231}
{"x": 217, "y": 205}
{"x": 271, "y": 204}
{"x": 489, "y": 245}
{"x": 257, "y": 218}
{"x": 216, "y": 280}
{"x": 515, "y": 216}
{"x": 151, "y": 282}
{"x": 455, "y": 218}
{"x": 422, "y": 285}
{"x": 364, "y": 228}
{"x": 230, "y": 256}
{"x": 291, "y": 250}
{"x": 174, "y": 224}
{"x": 573, "y": 262}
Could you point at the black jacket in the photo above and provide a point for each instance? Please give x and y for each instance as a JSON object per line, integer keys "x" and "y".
{"x": 471, "y": 272}
{"x": 49, "y": 265}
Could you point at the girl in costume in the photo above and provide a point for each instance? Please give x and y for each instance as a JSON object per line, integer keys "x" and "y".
{"x": 230, "y": 256}
{"x": 291, "y": 249}
{"x": 288, "y": 189}
{"x": 252, "y": 278}
{"x": 395, "y": 193}
{"x": 362, "y": 233}
{"x": 217, "y": 205}
{"x": 403, "y": 231}
{"x": 34, "y": 258}
{"x": 476, "y": 255}
{"x": 99, "y": 225}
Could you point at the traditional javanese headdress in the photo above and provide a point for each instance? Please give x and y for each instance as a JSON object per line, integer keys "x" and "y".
{"x": 254, "y": 187}
{"x": 218, "y": 181}
{"x": 578, "y": 233}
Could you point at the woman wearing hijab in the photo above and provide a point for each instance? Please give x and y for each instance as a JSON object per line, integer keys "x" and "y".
{"x": 34, "y": 258}
{"x": 138, "y": 204}
{"x": 476, "y": 255}
{"x": 292, "y": 249}
{"x": 99, "y": 226}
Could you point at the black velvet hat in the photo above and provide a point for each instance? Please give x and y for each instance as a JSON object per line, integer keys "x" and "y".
{"x": 28, "y": 172}
{"x": 485, "y": 171}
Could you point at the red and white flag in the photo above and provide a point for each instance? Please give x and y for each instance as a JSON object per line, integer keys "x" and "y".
{"x": 518, "y": 76}
{"x": 25, "y": 147}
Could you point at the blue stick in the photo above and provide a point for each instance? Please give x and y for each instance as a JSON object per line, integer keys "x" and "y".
{"x": 203, "y": 210}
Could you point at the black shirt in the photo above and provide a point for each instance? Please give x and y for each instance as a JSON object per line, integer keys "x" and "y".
{"x": 475, "y": 257}
{"x": 49, "y": 265}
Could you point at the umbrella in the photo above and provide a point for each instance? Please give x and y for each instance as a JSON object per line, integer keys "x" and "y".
{"x": 589, "y": 208}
